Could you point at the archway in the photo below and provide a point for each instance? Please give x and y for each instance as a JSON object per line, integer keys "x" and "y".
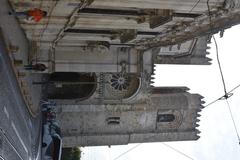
{"x": 71, "y": 85}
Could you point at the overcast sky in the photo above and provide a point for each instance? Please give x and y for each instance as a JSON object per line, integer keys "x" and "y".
{"x": 218, "y": 139}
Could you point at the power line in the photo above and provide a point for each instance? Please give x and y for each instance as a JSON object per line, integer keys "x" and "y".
{"x": 109, "y": 153}
{"x": 220, "y": 98}
{"x": 234, "y": 124}
{"x": 177, "y": 151}
{"x": 122, "y": 154}
{"x": 219, "y": 65}
{"x": 212, "y": 102}
{"x": 48, "y": 20}
{"x": 195, "y": 5}
{"x": 216, "y": 46}
{"x": 134, "y": 147}
{"x": 226, "y": 94}
{"x": 234, "y": 88}
{"x": 46, "y": 26}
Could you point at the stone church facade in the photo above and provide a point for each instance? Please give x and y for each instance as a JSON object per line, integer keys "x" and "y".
{"x": 121, "y": 106}
{"x": 167, "y": 114}
{"x": 101, "y": 57}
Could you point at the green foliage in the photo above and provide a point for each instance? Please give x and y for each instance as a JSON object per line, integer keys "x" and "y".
{"x": 71, "y": 153}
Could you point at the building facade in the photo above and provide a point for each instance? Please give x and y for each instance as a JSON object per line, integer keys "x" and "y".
{"x": 101, "y": 55}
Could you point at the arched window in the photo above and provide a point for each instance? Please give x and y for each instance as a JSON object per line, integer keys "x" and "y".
{"x": 70, "y": 85}
{"x": 165, "y": 118}
{"x": 113, "y": 120}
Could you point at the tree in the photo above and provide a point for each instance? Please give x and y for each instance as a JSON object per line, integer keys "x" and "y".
{"x": 71, "y": 153}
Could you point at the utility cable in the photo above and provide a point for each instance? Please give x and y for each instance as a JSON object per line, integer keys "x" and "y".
{"x": 177, "y": 151}
{"x": 212, "y": 102}
{"x": 234, "y": 123}
{"x": 44, "y": 28}
{"x": 48, "y": 20}
{"x": 220, "y": 98}
{"x": 216, "y": 46}
{"x": 134, "y": 147}
{"x": 219, "y": 66}
{"x": 234, "y": 88}
{"x": 122, "y": 154}
{"x": 195, "y": 5}
{"x": 227, "y": 94}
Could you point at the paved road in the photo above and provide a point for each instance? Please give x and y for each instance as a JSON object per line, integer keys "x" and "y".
{"x": 19, "y": 132}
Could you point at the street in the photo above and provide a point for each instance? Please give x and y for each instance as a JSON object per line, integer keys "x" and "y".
{"x": 19, "y": 132}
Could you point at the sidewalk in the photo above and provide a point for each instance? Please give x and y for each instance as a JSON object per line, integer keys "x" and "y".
{"x": 18, "y": 50}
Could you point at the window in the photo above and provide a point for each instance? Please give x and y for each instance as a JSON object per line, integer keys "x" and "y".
{"x": 71, "y": 85}
{"x": 113, "y": 120}
{"x": 165, "y": 118}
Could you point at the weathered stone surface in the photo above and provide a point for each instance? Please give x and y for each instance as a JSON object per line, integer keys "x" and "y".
{"x": 119, "y": 42}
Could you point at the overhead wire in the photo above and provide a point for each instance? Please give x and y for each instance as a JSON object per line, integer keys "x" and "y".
{"x": 226, "y": 94}
{"x": 217, "y": 52}
{"x": 178, "y": 151}
{"x": 48, "y": 20}
{"x": 109, "y": 153}
{"x": 209, "y": 104}
{"x": 34, "y": 48}
{"x": 45, "y": 27}
{"x": 195, "y": 5}
{"x": 225, "y": 91}
{"x": 134, "y": 147}
{"x": 234, "y": 88}
{"x": 122, "y": 154}
{"x": 234, "y": 123}
{"x": 224, "y": 86}
{"x": 172, "y": 148}
{"x": 33, "y": 34}
{"x": 229, "y": 93}
{"x": 220, "y": 98}
{"x": 219, "y": 66}
{"x": 70, "y": 22}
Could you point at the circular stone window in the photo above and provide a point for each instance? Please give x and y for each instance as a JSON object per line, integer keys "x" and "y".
{"x": 120, "y": 82}
{"x": 121, "y": 85}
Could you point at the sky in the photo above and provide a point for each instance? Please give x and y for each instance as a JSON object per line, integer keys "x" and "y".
{"x": 218, "y": 139}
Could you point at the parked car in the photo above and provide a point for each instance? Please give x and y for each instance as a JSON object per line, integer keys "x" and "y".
{"x": 51, "y": 134}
